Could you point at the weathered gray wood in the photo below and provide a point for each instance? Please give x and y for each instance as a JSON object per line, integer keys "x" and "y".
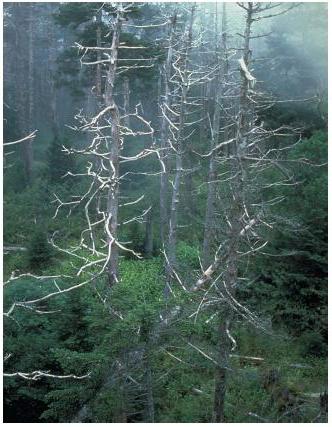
{"x": 163, "y": 198}
{"x": 114, "y": 146}
{"x": 7, "y": 249}
{"x": 173, "y": 221}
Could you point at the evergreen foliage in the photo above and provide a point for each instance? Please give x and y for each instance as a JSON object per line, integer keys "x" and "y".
{"x": 39, "y": 253}
{"x": 59, "y": 163}
{"x": 294, "y": 281}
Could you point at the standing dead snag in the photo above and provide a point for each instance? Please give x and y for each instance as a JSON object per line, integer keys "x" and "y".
{"x": 24, "y": 63}
{"x": 164, "y": 133}
{"x": 245, "y": 210}
{"x": 51, "y": 80}
{"x": 98, "y": 70}
{"x": 126, "y": 98}
{"x": 177, "y": 126}
{"x": 148, "y": 241}
{"x": 221, "y": 87}
{"x": 107, "y": 136}
{"x": 28, "y": 146}
{"x": 99, "y": 245}
{"x": 96, "y": 254}
{"x": 114, "y": 146}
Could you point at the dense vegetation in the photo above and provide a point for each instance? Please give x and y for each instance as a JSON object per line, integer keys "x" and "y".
{"x": 133, "y": 351}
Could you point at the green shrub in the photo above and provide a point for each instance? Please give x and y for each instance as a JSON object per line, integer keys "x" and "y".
{"x": 40, "y": 252}
{"x": 312, "y": 344}
{"x": 187, "y": 255}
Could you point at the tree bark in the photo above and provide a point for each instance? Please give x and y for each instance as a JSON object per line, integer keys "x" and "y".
{"x": 203, "y": 134}
{"x": 235, "y": 216}
{"x": 51, "y": 65}
{"x": 23, "y": 18}
{"x": 126, "y": 101}
{"x": 114, "y": 146}
{"x": 172, "y": 236}
{"x": 210, "y": 220}
{"x": 164, "y": 136}
{"x": 209, "y": 223}
{"x": 148, "y": 242}
{"x": 99, "y": 57}
{"x": 218, "y": 415}
{"x": 150, "y": 417}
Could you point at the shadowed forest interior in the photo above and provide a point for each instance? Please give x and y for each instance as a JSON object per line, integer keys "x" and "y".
{"x": 165, "y": 212}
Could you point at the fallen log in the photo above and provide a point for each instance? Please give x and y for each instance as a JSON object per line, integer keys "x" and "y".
{"x": 7, "y": 249}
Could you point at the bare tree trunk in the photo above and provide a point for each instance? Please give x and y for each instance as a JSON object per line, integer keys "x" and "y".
{"x": 204, "y": 113}
{"x": 208, "y": 88}
{"x": 114, "y": 145}
{"x": 210, "y": 220}
{"x": 148, "y": 243}
{"x": 184, "y": 85}
{"x": 209, "y": 224}
{"x": 126, "y": 102}
{"x": 171, "y": 247}
{"x": 99, "y": 57}
{"x": 235, "y": 215}
{"x": 24, "y": 50}
{"x": 218, "y": 415}
{"x": 223, "y": 340}
{"x": 149, "y": 390}
{"x": 164, "y": 136}
{"x": 53, "y": 105}
{"x": 51, "y": 82}
{"x": 188, "y": 185}
{"x": 28, "y": 145}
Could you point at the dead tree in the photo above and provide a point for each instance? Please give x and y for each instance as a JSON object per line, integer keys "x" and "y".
{"x": 50, "y": 78}
{"x": 126, "y": 98}
{"x": 221, "y": 82}
{"x": 182, "y": 120}
{"x": 114, "y": 147}
{"x": 148, "y": 241}
{"x": 245, "y": 211}
{"x": 24, "y": 50}
{"x": 166, "y": 102}
{"x": 99, "y": 243}
{"x": 99, "y": 52}
{"x": 96, "y": 255}
{"x": 108, "y": 131}
{"x": 176, "y": 117}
